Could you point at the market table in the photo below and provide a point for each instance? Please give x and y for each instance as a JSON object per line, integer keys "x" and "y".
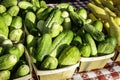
{"x": 111, "y": 71}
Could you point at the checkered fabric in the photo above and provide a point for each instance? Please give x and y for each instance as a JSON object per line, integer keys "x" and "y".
{"x": 77, "y": 4}
{"x": 110, "y": 72}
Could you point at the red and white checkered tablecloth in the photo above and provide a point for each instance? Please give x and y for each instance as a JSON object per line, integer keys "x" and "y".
{"x": 110, "y": 72}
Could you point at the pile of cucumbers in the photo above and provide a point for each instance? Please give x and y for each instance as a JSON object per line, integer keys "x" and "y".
{"x": 55, "y": 36}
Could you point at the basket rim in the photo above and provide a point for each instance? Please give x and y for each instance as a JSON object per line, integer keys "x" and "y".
{"x": 47, "y": 72}
{"x": 83, "y": 59}
{"x": 27, "y": 77}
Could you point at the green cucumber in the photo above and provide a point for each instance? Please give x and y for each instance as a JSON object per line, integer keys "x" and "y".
{"x": 14, "y": 10}
{"x": 92, "y": 44}
{"x": 5, "y": 75}
{"x": 43, "y": 47}
{"x": 7, "y": 61}
{"x": 49, "y": 63}
{"x": 60, "y": 42}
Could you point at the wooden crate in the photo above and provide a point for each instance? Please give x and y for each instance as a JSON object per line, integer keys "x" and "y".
{"x": 87, "y": 64}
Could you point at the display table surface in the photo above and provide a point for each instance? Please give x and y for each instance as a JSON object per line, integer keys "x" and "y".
{"x": 111, "y": 71}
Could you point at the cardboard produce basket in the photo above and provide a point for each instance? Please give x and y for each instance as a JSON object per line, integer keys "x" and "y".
{"x": 57, "y": 74}
{"x": 27, "y": 77}
{"x": 116, "y": 57}
{"x": 87, "y": 64}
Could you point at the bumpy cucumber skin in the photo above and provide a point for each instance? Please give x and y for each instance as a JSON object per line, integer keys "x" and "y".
{"x": 7, "y": 61}
{"x": 96, "y": 34}
{"x": 16, "y": 22}
{"x": 5, "y": 75}
{"x": 7, "y": 18}
{"x": 3, "y": 28}
{"x": 69, "y": 56}
{"x": 22, "y": 70}
{"x": 61, "y": 41}
{"x": 14, "y": 10}
{"x": 107, "y": 46}
{"x": 43, "y": 47}
{"x": 92, "y": 43}
{"x": 49, "y": 63}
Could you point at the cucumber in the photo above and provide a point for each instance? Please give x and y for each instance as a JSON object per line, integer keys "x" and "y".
{"x": 56, "y": 29}
{"x": 25, "y": 5}
{"x": 43, "y": 47}
{"x": 77, "y": 40}
{"x": 30, "y": 22}
{"x": 107, "y": 46}
{"x": 2, "y": 9}
{"x": 98, "y": 25}
{"x": 31, "y": 40}
{"x": 82, "y": 12}
{"x": 9, "y": 3}
{"x": 40, "y": 25}
{"x": 21, "y": 48}
{"x": 5, "y": 75}
{"x": 31, "y": 45}
{"x": 65, "y": 14}
{"x": 62, "y": 5}
{"x": 7, "y": 18}
{"x": 3, "y": 29}
{"x": 79, "y": 21}
{"x": 92, "y": 44}
{"x": 69, "y": 56}
{"x": 66, "y": 23}
{"x": 40, "y": 10}
{"x": 16, "y": 23}
{"x": 7, "y": 43}
{"x": 15, "y": 51}
{"x": 16, "y": 35}
{"x": 7, "y": 61}
{"x": 85, "y": 50}
{"x": 35, "y": 3}
{"x": 95, "y": 33}
{"x": 44, "y": 15}
{"x": 1, "y": 50}
{"x": 14, "y": 10}
{"x": 53, "y": 18}
{"x": 49, "y": 63}
{"x": 42, "y": 4}
{"x": 22, "y": 70}
{"x": 60, "y": 42}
